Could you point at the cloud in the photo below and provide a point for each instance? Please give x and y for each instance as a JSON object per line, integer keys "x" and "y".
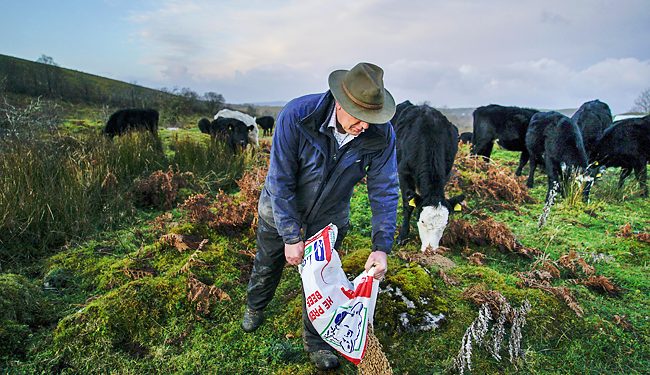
{"x": 547, "y": 54}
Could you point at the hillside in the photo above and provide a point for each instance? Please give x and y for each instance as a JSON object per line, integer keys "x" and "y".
{"x": 34, "y": 79}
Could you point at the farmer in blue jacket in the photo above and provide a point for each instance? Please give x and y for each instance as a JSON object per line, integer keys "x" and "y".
{"x": 323, "y": 145}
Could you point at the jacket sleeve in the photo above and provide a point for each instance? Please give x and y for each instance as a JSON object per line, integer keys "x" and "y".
{"x": 281, "y": 179}
{"x": 383, "y": 194}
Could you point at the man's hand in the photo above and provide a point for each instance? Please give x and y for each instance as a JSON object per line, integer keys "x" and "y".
{"x": 293, "y": 253}
{"x": 377, "y": 259}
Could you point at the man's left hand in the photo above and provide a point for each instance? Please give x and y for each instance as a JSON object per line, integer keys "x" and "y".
{"x": 378, "y": 259}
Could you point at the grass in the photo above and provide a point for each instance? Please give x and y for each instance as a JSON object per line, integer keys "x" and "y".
{"x": 119, "y": 301}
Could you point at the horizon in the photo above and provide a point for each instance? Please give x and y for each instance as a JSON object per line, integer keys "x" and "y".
{"x": 460, "y": 54}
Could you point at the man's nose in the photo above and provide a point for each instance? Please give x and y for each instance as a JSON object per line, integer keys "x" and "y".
{"x": 364, "y": 125}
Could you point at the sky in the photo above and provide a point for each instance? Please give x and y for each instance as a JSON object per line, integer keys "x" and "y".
{"x": 550, "y": 54}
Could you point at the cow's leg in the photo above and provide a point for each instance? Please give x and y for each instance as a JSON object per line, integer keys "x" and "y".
{"x": 641, "y": 174}
{"x": 531, "y": 172}
{"x": 624, "y": 173}
{"x": 553, "y": 173}
{"x": 523, "y": 159}
{"x": 408, "y": 192}
{"x": 483, "y": 149}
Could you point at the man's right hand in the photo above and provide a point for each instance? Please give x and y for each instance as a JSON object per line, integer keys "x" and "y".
{"x": 293, "y": 253}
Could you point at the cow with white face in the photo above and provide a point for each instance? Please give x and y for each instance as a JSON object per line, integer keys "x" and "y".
{"x": 248, "y": 120}
{"x": 431, "y": 225}
{"x": 426, "y": 147}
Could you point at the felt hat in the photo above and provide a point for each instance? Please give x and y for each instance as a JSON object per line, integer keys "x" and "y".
{"x": 361, "y": 93}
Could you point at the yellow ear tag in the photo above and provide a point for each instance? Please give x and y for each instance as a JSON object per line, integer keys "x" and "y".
{"x": 595, "y": 163}
{"x": 599, "y": 175}
{"x": 412, "y": 202}
{"x": 458, "y": 207}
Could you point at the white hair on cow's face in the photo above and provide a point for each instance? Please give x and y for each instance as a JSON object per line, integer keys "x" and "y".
{"x": 431, "y": 224}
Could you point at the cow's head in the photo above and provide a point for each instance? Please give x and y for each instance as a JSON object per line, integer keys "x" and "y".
{"x": 433, "y": 220}
{"x": 238, "y": 134}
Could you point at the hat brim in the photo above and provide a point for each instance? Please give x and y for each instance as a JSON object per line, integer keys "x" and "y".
{"x": 371, "y": 116}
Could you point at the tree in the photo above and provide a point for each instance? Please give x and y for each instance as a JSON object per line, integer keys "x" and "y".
{"x": 214, "y": 102}
{"x": 51, "y": 75}
{"x": 642, "y": 103}
{"x": 44, "y": 59}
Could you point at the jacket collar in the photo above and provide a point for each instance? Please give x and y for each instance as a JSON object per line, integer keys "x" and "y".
{"x": 315, "y": 123}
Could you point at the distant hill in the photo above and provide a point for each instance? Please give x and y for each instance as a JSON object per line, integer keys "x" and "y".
{"x": 24, "y": 77}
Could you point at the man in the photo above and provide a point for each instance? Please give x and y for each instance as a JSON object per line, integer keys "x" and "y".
{"x": 323, "y": 145}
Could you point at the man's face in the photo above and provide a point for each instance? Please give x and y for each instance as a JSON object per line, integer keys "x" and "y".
{"x": 351, "y": 125}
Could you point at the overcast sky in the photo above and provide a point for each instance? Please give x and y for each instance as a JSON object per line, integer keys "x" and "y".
{"x": 548, "y": 54}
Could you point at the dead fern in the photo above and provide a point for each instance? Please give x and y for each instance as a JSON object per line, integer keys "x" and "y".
{"x": 484, "y": 232}
{"x": 160, "y": 189}
{"x": 448, "y": 279}
{"x": 135, "y": 274}
{"x": 477, "y": 259}
{"x": 160, "y": 222}
{"x": 576, "y": 264}
{"x": 541, "y": 280}
{"x": 197, "y": 209}
{"x": 544, "y": 262}
{"x": 237, "y": 213}
{"x": 193, "y": 260}
{"x": 204, "y": 295}
{"x": 600, "y": 284}
{"x": 626, "y": 231}
{"x": 182, "y": 242}
{"x": 488, "y": 181}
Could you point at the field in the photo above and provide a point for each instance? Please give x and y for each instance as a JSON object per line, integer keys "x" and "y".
{"x": 133, "y": 257}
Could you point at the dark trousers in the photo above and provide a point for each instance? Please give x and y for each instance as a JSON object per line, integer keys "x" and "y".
{"x": 265, "y": 277}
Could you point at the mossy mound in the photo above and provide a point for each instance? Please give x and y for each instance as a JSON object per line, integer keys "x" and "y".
{"x": 23, "y": 306}
{"x": 122, "y": 324}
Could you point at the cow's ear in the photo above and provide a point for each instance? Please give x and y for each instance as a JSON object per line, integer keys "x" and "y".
{"x": 251, "y": 127}
{"x": 413, "y": 199}
{"x": 454, "y": 203}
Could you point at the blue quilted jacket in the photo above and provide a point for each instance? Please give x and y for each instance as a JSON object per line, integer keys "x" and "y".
{"x": 310, "y": 181}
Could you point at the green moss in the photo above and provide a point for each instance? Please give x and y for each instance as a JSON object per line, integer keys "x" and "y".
{"x": 127, "y": 319}
{"x": 22, "y": 306}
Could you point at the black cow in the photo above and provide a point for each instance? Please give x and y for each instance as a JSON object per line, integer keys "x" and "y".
{"x": 266, "y": 123}
{"x": 626, "y": 144}
{"x": 398, "y": 111}
{"x": 132, "y": 119}
{"x": 204, "y": 125}
{"x": 215, "y": 128}
{"x": 235, "y": 131}
{"x": 465, "y": 137}
{"x": 592, "y": 119}
{"x": 426, "y": 147}
{"x": 558, "y": 138}
{"x": 507, "y": 124}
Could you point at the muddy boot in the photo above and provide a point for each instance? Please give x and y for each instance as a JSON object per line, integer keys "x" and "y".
{"x": 324, "y": 359}
{"x": 252, "y": 319}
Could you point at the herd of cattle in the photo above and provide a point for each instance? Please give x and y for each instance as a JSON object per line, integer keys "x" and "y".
{"x": 427, "y": 143}
{"x": 585, "y": 143}
{"x": 237, "y": 129}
